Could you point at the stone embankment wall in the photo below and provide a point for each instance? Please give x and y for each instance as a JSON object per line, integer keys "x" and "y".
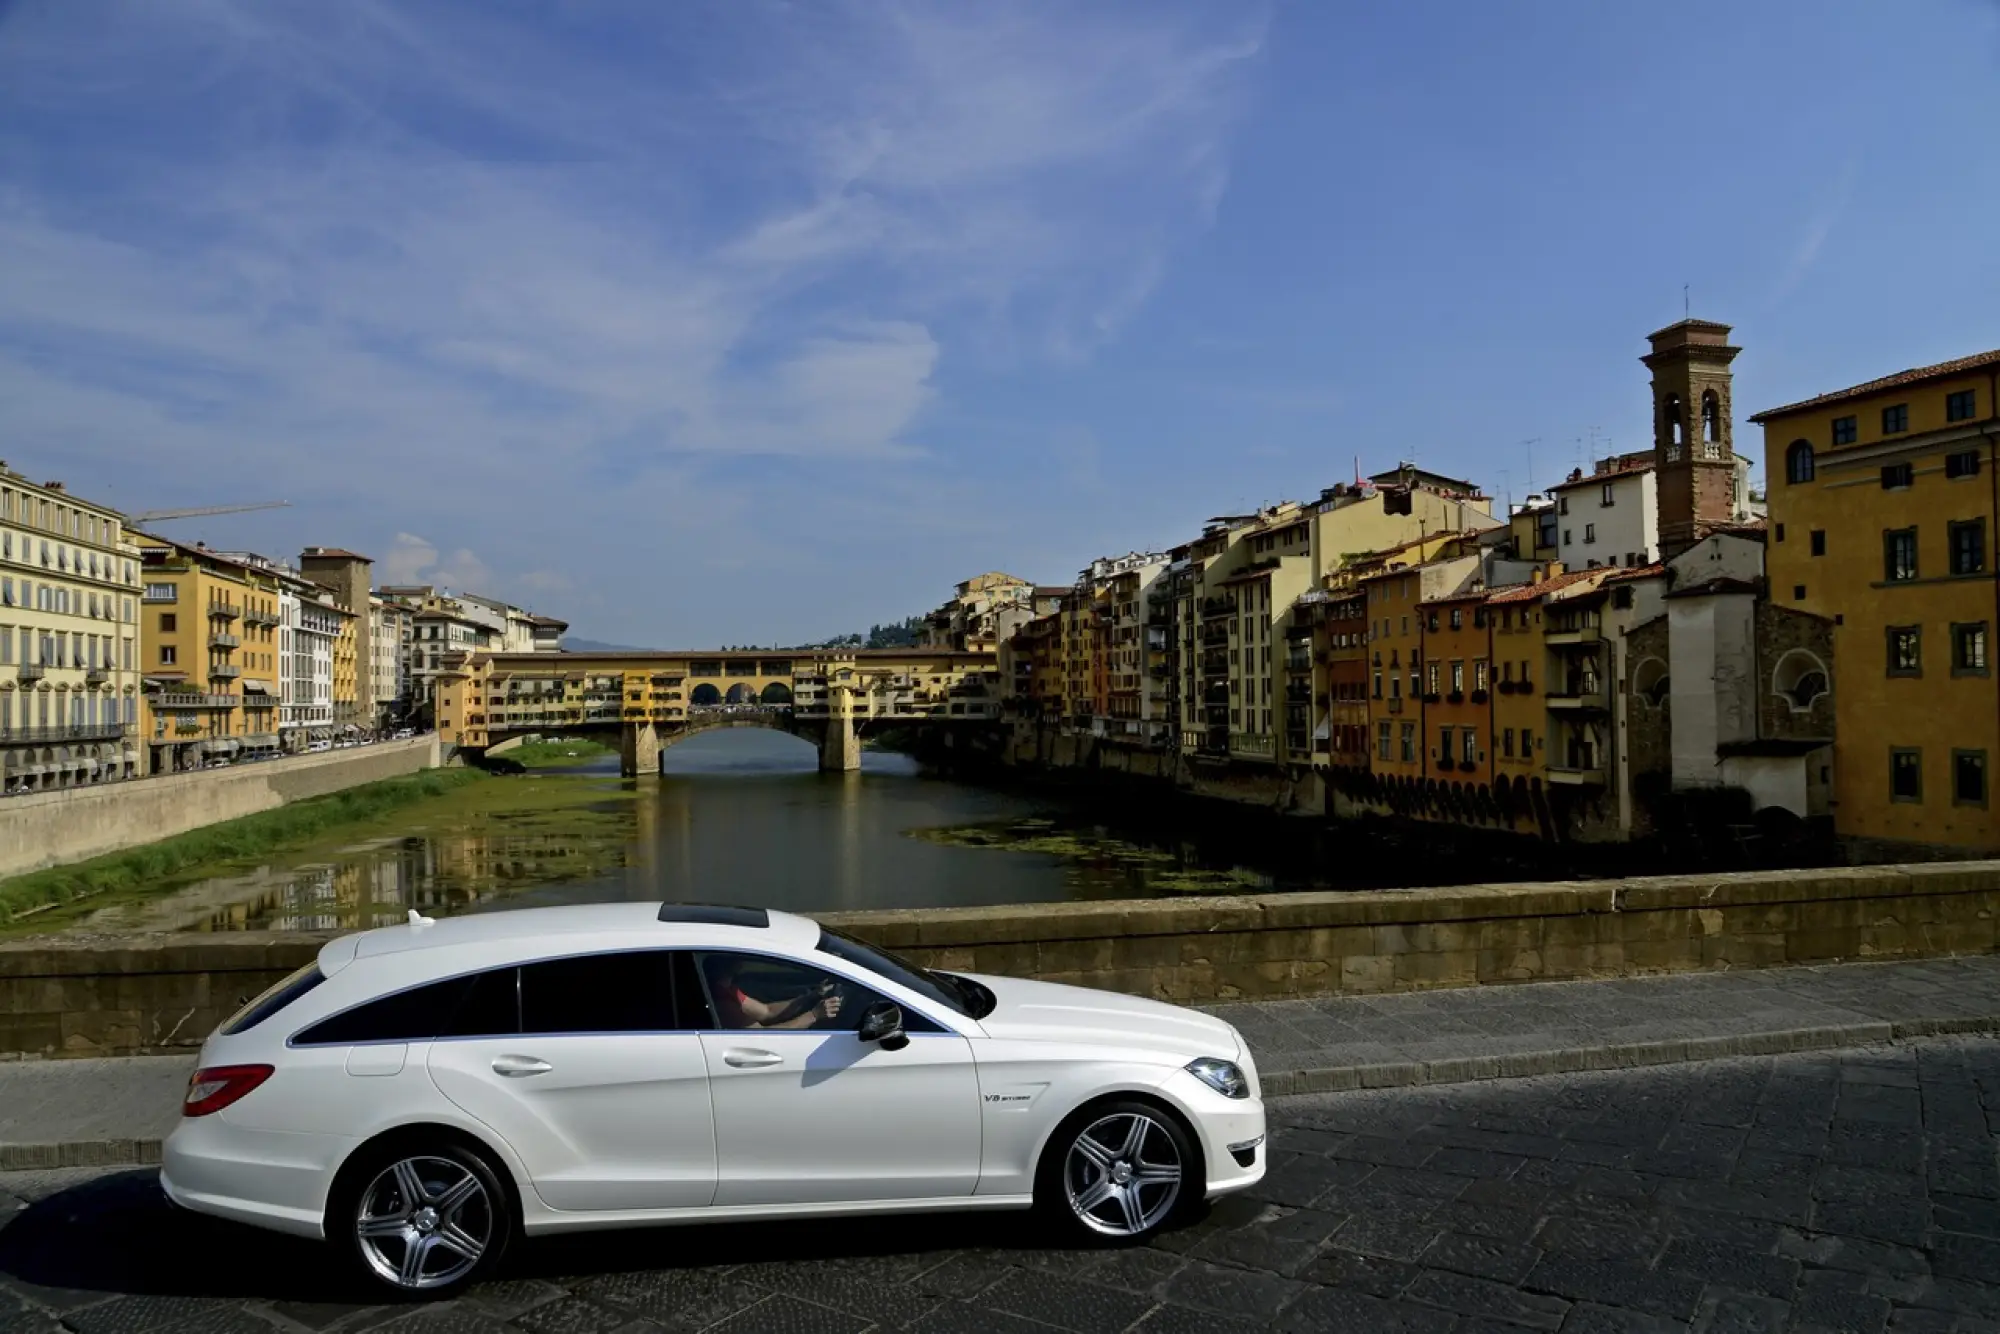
{"x": 71, "y": 825}
{"x": 65, "y": 998}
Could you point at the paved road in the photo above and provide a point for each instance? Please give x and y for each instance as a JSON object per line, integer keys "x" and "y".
{"x": 1857, "y": 1190}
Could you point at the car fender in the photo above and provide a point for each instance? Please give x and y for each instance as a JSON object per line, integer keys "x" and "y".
{"x": 1027, "y": 1089}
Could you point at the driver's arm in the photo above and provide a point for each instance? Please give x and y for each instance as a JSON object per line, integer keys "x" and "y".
{"x": 762, "y": 1014}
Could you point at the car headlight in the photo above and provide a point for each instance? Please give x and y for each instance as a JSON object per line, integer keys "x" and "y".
{"x": 1222, "y": 1076}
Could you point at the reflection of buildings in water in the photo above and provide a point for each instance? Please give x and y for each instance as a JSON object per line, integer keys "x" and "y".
{"x": 852, "y": 889}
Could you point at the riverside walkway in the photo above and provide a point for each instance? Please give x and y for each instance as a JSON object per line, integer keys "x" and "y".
{"x": 1854, "y": 1187}
{"x": 100, "y": 1112}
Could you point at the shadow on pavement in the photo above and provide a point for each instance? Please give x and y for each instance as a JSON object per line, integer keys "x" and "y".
{"x": 117, "y": 1234}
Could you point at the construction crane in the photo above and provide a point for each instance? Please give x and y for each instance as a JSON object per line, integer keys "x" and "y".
{"x": 157, "y": 516}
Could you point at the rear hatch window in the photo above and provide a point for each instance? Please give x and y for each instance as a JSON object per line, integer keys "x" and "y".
{"x": 274, "y": 1000}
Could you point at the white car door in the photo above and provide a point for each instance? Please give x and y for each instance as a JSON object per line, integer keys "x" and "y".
{"x": 597, "y": 1087}
{"x": 816, "y": 1116}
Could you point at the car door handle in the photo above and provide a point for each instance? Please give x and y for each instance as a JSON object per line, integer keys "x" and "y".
{"x": 516, "y": 1066}
{"x": 749, "y": 1058}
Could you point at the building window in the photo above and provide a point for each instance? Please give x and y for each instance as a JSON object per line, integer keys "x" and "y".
{"x": 1409, "y": 739}
{"x": 167, "y": 622}
{"x": 1444, "y": 744}
{"x": 1960, "y": 406}
{"x": 1458, "y": 676}
{"x": 1798, "y": 592}
{"x": 1968, "y": 649}
{"x": 1799, "y": 462}
{"x": 1906, "y": 774}
{"x": 1844, "y": 431}
{"x": 1905, "y": 650}
{"x": 1568, "y": 537}
{"x": 1899, "y": 555}
{"x": 1590, "y": 532}
{"x": 1383, "y": 737}
{"x": 167, "y": 655}
{"x": 1964, "y": 463}
{"x": 1507, "y": 743}
{"x": 1608, "y": 497}
{"x": 1818, "y": 540}
{"x": 1968, "y": 546}
{"x": 1896, "y": 420}
{"x": 1527, "y": 743}
{"x": 1896, "y": 476}
{"x": 1468, "y": 742}
{"x": 1562, "y": 504}
{"x": 1711, "y": 423}
{"x": 1968, "y": 777}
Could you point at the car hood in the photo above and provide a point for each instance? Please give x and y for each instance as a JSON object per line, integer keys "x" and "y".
{"x": 1051, "y": 1012}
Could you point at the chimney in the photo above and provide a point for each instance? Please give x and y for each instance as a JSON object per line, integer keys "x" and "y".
{"x": 53, "y": 486}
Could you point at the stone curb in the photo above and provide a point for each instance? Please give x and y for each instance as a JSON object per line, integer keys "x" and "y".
{"x": 1314, "y": 1079}
{"x": 1623, "y": 1056}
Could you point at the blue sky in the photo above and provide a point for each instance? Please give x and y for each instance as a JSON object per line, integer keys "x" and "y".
{"x": 757, "y": 322}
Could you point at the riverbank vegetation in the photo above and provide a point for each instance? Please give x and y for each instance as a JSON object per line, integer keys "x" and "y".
{"x": 1155, "y": 870}
{"x": 259, "y": 835}
{"x": 559, "y": 753}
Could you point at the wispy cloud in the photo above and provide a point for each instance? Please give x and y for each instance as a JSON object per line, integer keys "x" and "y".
{"x": 1826, "y": 214}
{"x": 478, "y": 274}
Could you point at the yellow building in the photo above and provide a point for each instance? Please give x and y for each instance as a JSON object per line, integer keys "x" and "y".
{"x": 347, "y": 679}
{"x": 209, "y": 655}
{"x": 1882, "y": 516}
{"x": 69, "y": 670}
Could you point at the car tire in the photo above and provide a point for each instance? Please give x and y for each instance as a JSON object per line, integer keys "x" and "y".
{"x": 1117, "y": 1173}
{"x": 421, "y": 1218}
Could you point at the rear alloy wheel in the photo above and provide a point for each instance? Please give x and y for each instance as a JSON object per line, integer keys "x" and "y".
{"x": 1119, "y": 1172}
{"x": 427, "y": 1222}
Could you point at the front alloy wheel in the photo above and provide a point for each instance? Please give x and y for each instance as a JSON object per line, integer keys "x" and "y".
{"x": 426, "y": 1222}
{"x": 1123, "y": 1172}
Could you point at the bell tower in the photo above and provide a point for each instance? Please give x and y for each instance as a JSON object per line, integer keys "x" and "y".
{"x": 1694, "y": 454}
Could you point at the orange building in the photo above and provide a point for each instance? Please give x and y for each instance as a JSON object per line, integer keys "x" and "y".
{"x": 1457, "y": 691}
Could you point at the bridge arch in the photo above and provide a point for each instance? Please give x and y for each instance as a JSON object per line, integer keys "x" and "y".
{"x": 776, "y": 693}
{"x": 705, "y": 693}
{"x": 740, "y": 693}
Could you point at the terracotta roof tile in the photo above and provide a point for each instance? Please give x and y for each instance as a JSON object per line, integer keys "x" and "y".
{"x": 1979, "y": 361}
{"x": 1529, "y": 592}
{"x": 1636, "y": 572}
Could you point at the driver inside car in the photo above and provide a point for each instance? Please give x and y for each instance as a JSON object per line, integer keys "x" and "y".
{"x": 817, "y": 1006}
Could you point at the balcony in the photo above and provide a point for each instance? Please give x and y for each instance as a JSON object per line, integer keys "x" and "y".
{"x": 36, "y": 736}
{"x": 96, "y": 676}
{"x": 1395, "y": 703}
{"x": 1584, "y": 771}
{"x": 221, "y": 640}
{"x": 224, "y": 671}
{"x": 225, "y": 611}
{"x": 32, "y": 671}
{"x": 1580, "y": 696}
{"x": 166, "y": 702}
{"x": 1575, "y": 634}
{"x": 260, "y": 618}
{"x": 1253, "y": 745}
{"x": 1217, "y": 606}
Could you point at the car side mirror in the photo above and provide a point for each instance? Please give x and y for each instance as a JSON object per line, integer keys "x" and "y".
{"x": 882, "y": 1023}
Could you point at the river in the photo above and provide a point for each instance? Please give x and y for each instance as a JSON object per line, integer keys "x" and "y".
{"x": 740, "y": 816}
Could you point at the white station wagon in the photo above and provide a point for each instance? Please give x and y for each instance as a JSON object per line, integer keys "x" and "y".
{"x": 422, "y": 1094}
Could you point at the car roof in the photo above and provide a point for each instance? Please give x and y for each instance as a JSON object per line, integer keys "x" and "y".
{"x": 786, "y": 932}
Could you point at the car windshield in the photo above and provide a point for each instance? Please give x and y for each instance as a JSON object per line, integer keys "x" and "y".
{"x": 943, "y": 988}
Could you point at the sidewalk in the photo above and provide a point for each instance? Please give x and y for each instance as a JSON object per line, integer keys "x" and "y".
{"x": 89, "y": 1113}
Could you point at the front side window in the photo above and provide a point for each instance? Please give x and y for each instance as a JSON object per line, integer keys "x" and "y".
{"x": 1899, "y": 554}
{"x": 761, "y": 992}
{"x": 939, "y": 987}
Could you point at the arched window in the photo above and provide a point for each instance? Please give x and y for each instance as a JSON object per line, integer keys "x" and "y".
{"x": 1711, "y": 424}
{"x": 1672, "y": 425}
{"x": 1799, "y": 462}
{"x": 1800, "y": 678}
{"x": 1649, "y": 682}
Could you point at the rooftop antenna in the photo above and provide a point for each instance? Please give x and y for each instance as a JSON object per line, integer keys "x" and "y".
{"x": 1529, "y": 445}
{"x": 1687, "y": 304}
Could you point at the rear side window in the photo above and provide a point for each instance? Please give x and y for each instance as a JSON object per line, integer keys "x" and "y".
{"x": 274, "y": 999}
{"x": 599, "y": 993}
{"x": 403, "y": 1016}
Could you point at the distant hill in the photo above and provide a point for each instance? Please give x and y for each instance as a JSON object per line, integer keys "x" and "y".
{"x": 571, "y": 644}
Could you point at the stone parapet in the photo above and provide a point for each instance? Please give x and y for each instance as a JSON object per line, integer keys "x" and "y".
{"x": 113, "y": 997}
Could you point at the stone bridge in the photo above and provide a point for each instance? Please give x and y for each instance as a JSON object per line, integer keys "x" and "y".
{"x": 655, "y": 700}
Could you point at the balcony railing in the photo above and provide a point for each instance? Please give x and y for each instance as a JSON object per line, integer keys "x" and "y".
{"x": 167, "y": 702}
{"x": 1218, "y": 606}
{"x": 1574, "y": 634}
{"x": 260, "y": 618}
{"x": 32, "y": 671}
{"x": 96, "y": 676}
{"x": 224, "y": 671}
{"x": 1579, "y": 695}
{"x": 225, "y": 611}
{"x": 36, "y": 736}
{"x": 220, "y": 639}
{"x": 1581, "y": 771}
{"x": 1253, "y": 744}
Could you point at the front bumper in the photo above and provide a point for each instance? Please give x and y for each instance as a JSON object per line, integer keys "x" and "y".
{"x": 1225, "y": 1126}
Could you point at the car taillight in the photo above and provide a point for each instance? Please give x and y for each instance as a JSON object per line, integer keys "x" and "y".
{"x": 214, "y": 1088}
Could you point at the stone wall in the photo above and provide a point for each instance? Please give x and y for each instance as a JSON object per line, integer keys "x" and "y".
{"x": 72, "y": 825}
{"x": 165, "y": 993}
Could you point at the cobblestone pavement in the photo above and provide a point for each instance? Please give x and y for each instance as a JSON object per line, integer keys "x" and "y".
{"x": 1853, "y": 1190}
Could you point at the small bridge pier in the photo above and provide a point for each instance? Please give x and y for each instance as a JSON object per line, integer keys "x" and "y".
{"x": 640, "y": 743}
